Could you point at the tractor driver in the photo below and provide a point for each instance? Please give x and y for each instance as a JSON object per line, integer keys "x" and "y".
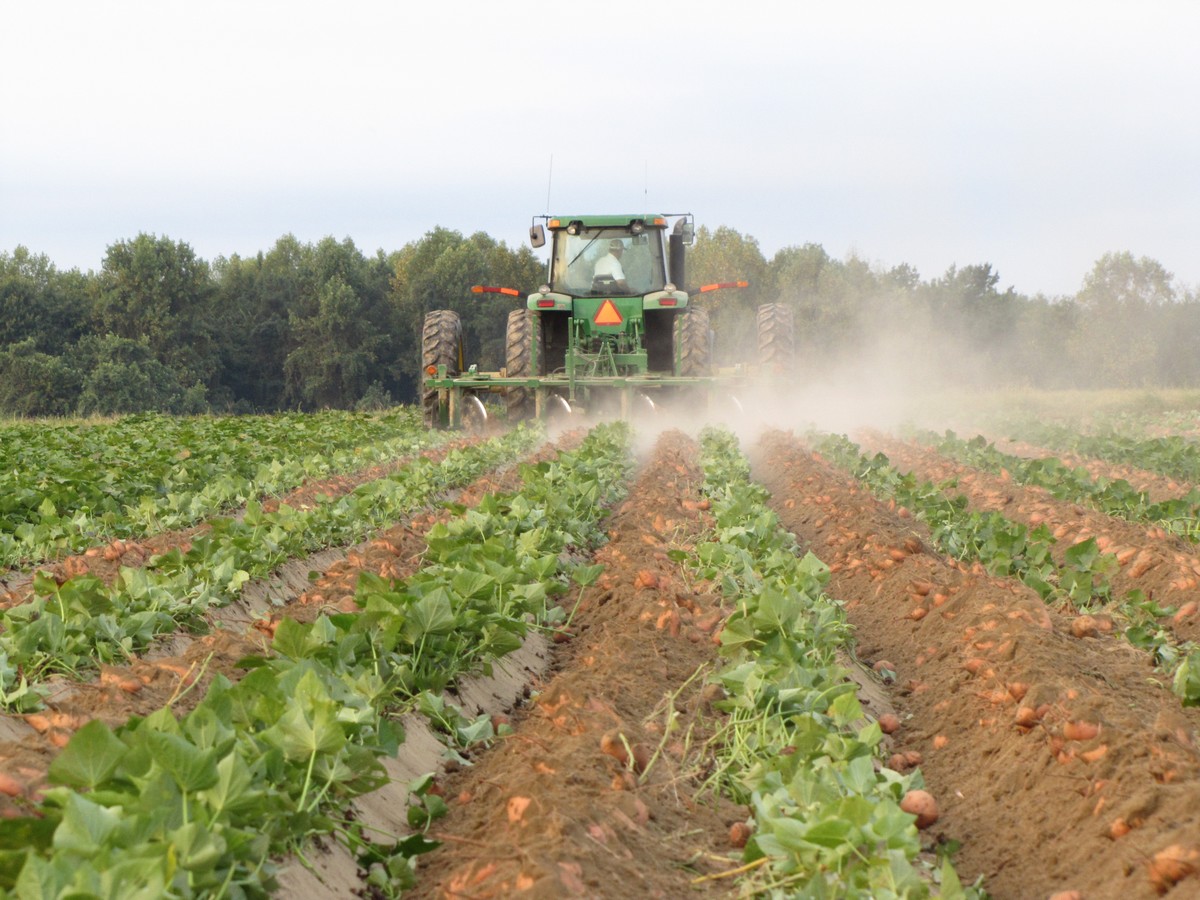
{"x": 609, "y": 265}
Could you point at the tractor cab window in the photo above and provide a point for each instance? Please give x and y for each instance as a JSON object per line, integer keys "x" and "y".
{"x": 607, "y": 261}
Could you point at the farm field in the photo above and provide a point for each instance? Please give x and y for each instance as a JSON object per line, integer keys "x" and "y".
{"x": 623, "y": 661}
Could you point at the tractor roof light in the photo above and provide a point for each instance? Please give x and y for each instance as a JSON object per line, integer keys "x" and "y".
{"x": 574, "y": 228}
{"x": 670, "y": 287}
{"x": 637, "y": 226}
{"x": 544, "y": 289}
{"x": 431, "y": 370}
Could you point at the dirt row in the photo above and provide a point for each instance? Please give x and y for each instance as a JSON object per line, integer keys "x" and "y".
{"x": 1156, "y": 486}
{"x": 1058, "y": 762}
{"x": 1164, "y": 567}
{"x": 561, "y": 808}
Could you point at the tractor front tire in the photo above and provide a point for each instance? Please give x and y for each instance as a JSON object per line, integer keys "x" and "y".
{"x": 441, "y": 345}
{"x": 523, "y": 359}
{"x": 693, "y": 349}
{"x": 776, "y": 338}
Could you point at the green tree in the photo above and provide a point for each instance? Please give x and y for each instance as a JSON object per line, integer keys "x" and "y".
{"x": 1121, "y": 281}
{"x": 1120, "y": 298}
{"x": 342, "y": 327}
{"x": 33, "y": 383}
{"x": 254, "y": 302}
{"x": 336, "y": 351}
{"x": 157, "y": 289}
{"x": 39, "y": 302}
{"x": 725, "y": 255}
{"x": 123, "y": 375}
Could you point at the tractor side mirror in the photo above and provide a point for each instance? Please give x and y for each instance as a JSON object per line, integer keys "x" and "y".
{"x": 537, "y": 235}
{"x": 688, "y": 232}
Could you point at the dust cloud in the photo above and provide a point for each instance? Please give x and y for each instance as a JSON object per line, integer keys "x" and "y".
{"x": 902, "y": 377}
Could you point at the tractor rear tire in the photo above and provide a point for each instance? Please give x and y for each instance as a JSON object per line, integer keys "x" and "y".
{"x": 441, "y": 345}
{"x": 776, "y": 338}
{"x": 523, "y": 359}
{"x": 693, "y": 349}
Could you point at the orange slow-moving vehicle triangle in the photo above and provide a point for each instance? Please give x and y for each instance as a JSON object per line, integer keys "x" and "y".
{"x": 608, "y": 314}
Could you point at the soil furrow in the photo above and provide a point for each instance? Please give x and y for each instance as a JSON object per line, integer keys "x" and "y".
{"x": 1164, "y": 567}
{"x": 1055, "y": 760}
{"x": 1157, "y": 487}
{"x": 550, "y": 812}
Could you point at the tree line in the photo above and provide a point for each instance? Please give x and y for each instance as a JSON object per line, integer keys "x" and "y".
{"x": 308, "y": 326}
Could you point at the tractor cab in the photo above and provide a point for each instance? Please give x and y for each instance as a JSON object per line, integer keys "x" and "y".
{"x": 602, "y": 259}
{"x": 609, "y": 305}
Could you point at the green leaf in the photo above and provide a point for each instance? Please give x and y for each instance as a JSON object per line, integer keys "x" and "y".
{"x": 737, "y": 633}
{"x": 1187, "y": 679}
{"x": 585, "y": 576}
{"x": 830, "y": 833}
{"x": 197, "y": 849}
{"x": 951, "y": 886}
{"x": 231, "y": 792}
{"x": 85, "y": 826}
{"x": 1082, "y": 554}
{"x": 430, "y": 615}
{"x": 473, "y": 585}
{"x": 90, "y": 757}
{"x": 291, "y": 638}
{"x": 309, "y": 725}
{"x": 191, "y": 768}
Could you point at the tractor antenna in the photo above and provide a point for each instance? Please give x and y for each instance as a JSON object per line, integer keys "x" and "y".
{"x": 549, "y": 181}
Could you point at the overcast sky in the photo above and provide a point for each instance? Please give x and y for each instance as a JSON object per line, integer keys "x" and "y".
{"x": 1035, "y": 136}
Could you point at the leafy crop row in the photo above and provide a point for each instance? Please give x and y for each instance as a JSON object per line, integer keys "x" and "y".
{"x": 1010, "y": 549}
{"x": 1169, "y": 455}
{"x": 72, "y": 627}
{"x": 66, "y": 487}
{"x": 201, "y": 805}
{"x": 1116, "y": 497}
{"x": 826, "y": 817}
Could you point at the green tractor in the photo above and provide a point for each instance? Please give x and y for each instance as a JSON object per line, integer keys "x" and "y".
{"x": 611, "y": 330}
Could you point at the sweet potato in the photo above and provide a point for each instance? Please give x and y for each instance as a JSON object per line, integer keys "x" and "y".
{"x": 1080, "y": 730}
{"x": 1018, "y": 690}
{"x": 10, "y": 785}
{"x": 1171, "y": 865}
{"x": 974, "y": 664}
{"x": 614, "y": 744}
{"x": 739, "y": 833}
{"x": 922, "y": 805}
{"x": 1026, "y": 717}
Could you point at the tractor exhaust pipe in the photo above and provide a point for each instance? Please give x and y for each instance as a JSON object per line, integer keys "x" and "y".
{"x": 676, "y": 247}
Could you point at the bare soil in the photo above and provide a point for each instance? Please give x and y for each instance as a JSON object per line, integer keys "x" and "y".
{"x": 548, "y": 813}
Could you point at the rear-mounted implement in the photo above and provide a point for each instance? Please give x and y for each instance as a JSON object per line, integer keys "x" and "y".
{"x": 610, "y": 329}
